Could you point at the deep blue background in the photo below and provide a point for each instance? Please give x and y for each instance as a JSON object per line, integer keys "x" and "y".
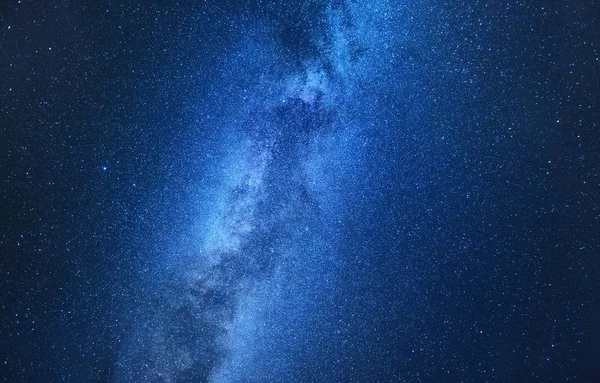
{"x": 470, "y": 248}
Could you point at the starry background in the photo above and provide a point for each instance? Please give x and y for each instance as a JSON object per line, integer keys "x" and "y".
{"x": 299, "y": 191}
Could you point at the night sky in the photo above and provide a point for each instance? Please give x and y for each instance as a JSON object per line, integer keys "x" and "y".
{"x": 299, "y": 191}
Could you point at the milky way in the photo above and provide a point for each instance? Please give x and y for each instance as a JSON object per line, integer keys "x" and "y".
{"x": 268, "y": 241}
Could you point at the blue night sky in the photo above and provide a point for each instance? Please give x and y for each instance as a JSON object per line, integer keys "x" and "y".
{"x": 299, "y": 191}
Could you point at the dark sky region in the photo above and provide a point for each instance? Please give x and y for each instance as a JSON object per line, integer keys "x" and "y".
{"x": 299, "y": 191}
